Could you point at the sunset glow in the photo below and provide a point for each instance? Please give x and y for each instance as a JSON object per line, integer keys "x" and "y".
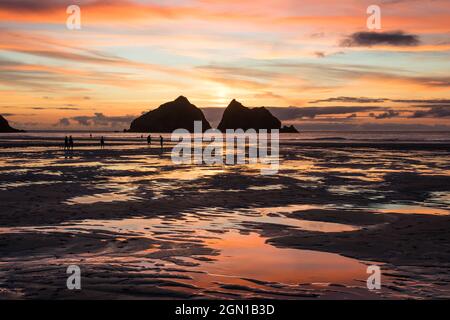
{"x": 131, "y": 56}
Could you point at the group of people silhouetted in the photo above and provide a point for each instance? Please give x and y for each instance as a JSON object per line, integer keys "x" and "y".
{"x": 161, "y": 141}
{"x": 69, "y": 142}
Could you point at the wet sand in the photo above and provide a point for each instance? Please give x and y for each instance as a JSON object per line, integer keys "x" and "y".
{"x": 141, "y": 227}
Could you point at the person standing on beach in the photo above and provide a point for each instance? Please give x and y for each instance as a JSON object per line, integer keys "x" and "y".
{"x": 149, "y": 140}
{"x": 161, "y": 141}
{"x": 102, "y": 142}
{"x": 71, "y": 143}
{"x": 66, "y": 143}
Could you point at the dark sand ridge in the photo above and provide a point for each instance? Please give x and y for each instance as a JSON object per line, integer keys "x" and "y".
{"x": 419, "y": 243}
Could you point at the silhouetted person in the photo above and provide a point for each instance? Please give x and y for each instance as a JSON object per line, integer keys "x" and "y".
{"x": 66, "y": 143}
{"x": 71, "y": 143}
{"x": 161, "y": 141}
{"x": 90, "y": 136}
{"x": 102, "y": 142}
{"x": 149, "y": 140}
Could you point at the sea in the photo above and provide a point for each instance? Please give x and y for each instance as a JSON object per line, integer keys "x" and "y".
{"x": 307, "y": 136}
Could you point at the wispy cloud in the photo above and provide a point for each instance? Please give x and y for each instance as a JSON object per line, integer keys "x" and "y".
{"x": 434, "y": 112}
{"x": 351, "y": 100}
{"x": 427, "y": 101}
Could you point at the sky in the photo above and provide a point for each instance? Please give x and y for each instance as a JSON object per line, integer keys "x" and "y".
{"x": 315, "y": 64}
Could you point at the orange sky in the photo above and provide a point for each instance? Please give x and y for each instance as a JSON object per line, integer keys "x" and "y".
{"x": 132, "y": 56}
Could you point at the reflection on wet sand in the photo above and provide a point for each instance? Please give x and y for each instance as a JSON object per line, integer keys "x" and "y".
{"x": 411, "y": 209}
{"x": 141, "y": 227}
{"x": 218, "y": 259}
{"x": 249, "y": 256}
{"x": 124, "y": 195}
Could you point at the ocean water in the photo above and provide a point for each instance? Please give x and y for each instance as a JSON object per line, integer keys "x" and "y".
{"x": 325, "y": 136}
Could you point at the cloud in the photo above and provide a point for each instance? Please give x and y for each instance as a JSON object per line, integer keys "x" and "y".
{"x": 320, "y": 54}
{"x": 64, "y": 122}
{"x": 83, "y": 120}
{"x": 323, "y": 54}
{"x": 98, "y": 119}
{"x": 425, "y": 102}
{"x": 102, "y": 120}
{"x": 263, "y": 75}
{"x": 369, "y": 39}
{"x": 434, "y": 81}
{"x": 351, "y": 100}
{"x": 54, "y": 79}
{"x": 432, "y": 105}
{"x": 372, "y": 126}
{"x": 72, "y": 108}
{"x": 341, "y": 73}
{"x": 292, "y": 113}
{"x": 70, "y": 56}
{"x": 431, "y": 101}
{"x": 28, "y": 5}
{"x": 434, "y": 112}
{"x": 386, "y": 115}
{"x": 267, "y": 14}
{"x": 268, "y": 95}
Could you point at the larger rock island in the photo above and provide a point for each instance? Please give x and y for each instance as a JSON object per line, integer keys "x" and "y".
{"x": 177, "y": 114}
{"x": 5, "y": 127}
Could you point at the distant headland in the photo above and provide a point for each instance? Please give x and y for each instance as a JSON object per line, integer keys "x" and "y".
{"x": 5, "y": 127}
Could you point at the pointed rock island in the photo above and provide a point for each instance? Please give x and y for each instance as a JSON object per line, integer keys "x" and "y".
{"x": 5, "y": 127}
{"x": 177, "y": 114}
{"x": 237, "y": 116}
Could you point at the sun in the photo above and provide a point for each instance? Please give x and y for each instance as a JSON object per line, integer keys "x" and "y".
{"x": 222, "y": 94}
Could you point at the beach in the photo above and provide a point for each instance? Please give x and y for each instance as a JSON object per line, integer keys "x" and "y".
{"x": 141, "y": 227}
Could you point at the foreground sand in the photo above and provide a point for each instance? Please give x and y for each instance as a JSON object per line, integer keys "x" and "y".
{"x": 141, "y": 227}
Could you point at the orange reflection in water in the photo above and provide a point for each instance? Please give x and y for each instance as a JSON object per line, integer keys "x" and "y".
{"x": 249, "y": 256}
{"x": 412, "y": 209}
